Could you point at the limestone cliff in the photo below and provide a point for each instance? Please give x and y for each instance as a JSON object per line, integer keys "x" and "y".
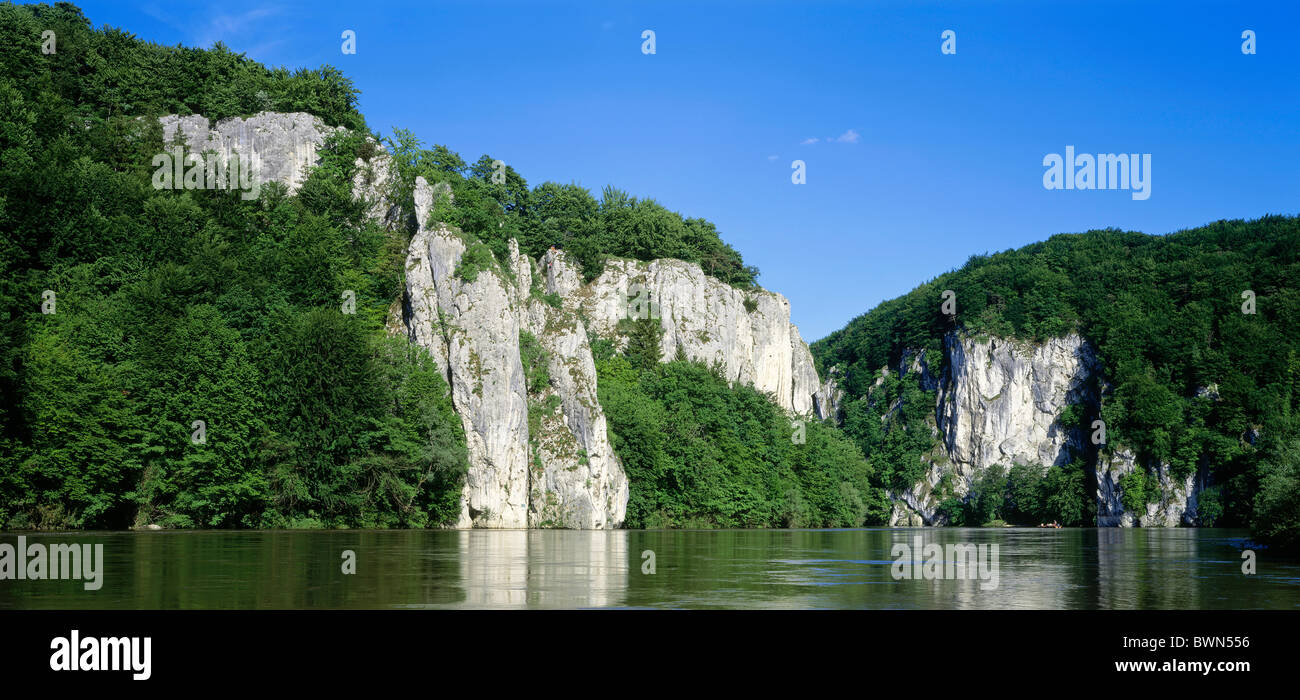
{"x": 539, "y": 456}
{"x": 747, "y": 332}
{"x": 566, "y": 475}
{"x": 282, "y": 145}
{"x": 1000, "y": 402}
{"x": 1175, "y": 503}
{"x": 558, "y": 469}
{"x": 542, "y": 458}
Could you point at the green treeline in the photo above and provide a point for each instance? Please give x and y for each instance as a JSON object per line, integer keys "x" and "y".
{"x": 1196, "y": 331}
{"x": 109, "y": 74}
{"x": 492, "y": 203}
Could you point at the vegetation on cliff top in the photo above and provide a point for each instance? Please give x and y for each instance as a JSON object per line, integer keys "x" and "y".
{"x": 493, "y": 203}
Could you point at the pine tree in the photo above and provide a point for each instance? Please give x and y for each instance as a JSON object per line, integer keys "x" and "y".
{"x": 643, "y": 343}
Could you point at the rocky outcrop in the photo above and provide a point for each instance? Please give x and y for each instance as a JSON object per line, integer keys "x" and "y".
{"x": 565, "y": 475}
{"x": 472, "y": 330}
{"x": 916, "y": 362}
{"x": 1175, "y": 501}
{"x": 1000, "y": 402}
{"x": 281, "y": 145}
{"x": 829, "y": 396}
{"x": 805, "y": 385}
{"x": 747, "y": 333}
{"x": 541, "y": 456}
{"x": 373, "y": 182}
{"x": 577, "y": 481}
{"x": 997, "y": 403}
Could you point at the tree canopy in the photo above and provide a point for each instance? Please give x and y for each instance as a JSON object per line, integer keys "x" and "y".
{"x": 493, "y": 203}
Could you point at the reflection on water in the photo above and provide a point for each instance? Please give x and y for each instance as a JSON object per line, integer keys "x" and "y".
{"x": 1036, "y": 568}
{"x": 543, "y": 568}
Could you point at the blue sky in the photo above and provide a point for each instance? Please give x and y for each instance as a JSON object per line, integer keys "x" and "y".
{"x": 932, "y": 157}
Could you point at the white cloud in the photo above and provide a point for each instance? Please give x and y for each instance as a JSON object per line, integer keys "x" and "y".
{"x": 772, "y": 157}
{"x": 244, "y": 32}
{"x": 234, "y": 29}
{"x": 849, "y": 136}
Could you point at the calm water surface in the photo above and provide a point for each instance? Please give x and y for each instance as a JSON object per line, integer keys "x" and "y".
{"x": 1054, "y": 569}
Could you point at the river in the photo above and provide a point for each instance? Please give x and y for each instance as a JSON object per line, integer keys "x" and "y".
{"x": 771, "y": 569}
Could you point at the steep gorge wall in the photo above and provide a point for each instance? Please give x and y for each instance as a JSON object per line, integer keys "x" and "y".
{"x": 567, "y": 475}
{"x": 557, "y": 469}
{"x": 999, "y": 402}
{"x": 707, "y": 319}
{"x": 562, "y": 472}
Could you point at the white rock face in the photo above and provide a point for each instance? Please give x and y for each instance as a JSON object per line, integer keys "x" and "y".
{"x": 1177, "y": 503}
{"x": 372, "y": 182}
{"x": 829, "y": 396}
{"x": 998, "y": 403}
{"x": 703, "y": 317}
{"x": 566, "y": 475}
{"x": 805, "y": 385}
{"x": 283, "y": 144}
{"x": 577, "y": 482}
{"x": 473, "y": 332}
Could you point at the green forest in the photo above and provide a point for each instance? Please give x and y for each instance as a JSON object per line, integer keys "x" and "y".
{"x": 130, "y": 312}
{"x": 1197, "y": 336}
{"x": 702, "y": 453}
{"x": 181, "y": 357}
